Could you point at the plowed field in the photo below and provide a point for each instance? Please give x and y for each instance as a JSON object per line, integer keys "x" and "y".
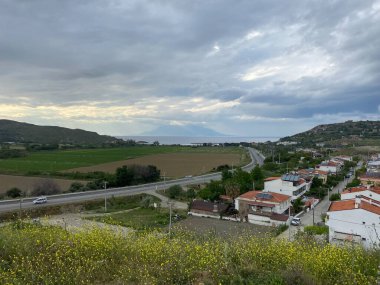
{"x": 174, "y": 165}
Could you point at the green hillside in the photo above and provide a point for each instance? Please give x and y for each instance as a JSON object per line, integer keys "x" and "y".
{"x": 350, "y": 132}
{"x": 12, "y": 131}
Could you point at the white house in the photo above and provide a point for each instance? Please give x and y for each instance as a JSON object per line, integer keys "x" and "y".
{"x": 373, "y": 166}
{"x": 263, "y": 208}
{"x": 289, "y": 184}
{"x": 330, "y": 167}
{"x": 356, "y": 220}
{"x": 362, "y": 191}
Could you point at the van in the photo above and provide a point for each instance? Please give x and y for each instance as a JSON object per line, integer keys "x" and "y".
{"x": 40, "y": 200}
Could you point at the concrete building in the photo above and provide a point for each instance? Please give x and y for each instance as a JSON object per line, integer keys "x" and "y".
{"x": 355, "y": 221}
{"x": 263, "y": 208}
{"x": 362, "y": 191}
{"x": 289, "y": 184}
{"x": 332, "y": 167}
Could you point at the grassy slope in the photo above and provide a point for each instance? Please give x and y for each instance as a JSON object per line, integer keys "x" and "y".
{"x": 50, "y": 161}
{"x": 48, "y": 255}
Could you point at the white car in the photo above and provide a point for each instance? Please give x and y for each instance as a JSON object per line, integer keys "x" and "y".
{"x": 40, "y": 200}
{"x": 296, "y": 221}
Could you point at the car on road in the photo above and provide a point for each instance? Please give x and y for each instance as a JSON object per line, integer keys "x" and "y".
{"x": 40, "y": 200}
{"x": 296, "y": 221}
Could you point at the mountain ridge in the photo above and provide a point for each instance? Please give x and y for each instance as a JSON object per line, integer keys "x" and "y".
{"x": 20, "y": 132}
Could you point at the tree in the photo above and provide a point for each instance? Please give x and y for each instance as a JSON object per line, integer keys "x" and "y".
{"x": 123, "y": 176}
{"x": 243, "y": 179}
{"x": 46, "y": 187}
{"x": 258, "y": 177}
{"x": 14, "y": 192}
{"x": 175, "y": 191}
{"x": 156, "y": 143}
{"x": 226, "y": 174}
{"x": 297, "y": 205}
{"x": 190, "y": 193}
{"x": 232, "y": 189}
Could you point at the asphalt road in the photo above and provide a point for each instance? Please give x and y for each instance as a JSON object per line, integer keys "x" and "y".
{"x": 12, "y": 205}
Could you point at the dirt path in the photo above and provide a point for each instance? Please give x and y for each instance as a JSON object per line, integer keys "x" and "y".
{"x": 165, "y": 201}
{"x": 76, "y": 222}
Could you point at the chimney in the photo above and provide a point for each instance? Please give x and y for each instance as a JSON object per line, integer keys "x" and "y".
{"x": 215, "y": 210}
{"x": 357, "y": 202}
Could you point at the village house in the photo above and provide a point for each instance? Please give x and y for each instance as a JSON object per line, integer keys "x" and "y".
{"x": 362, "y": 191}
{"x": 307, "y": 173}
{"x": 207, "y": 209}
{"x": 263, "y": 208}
{"x": 332, "y": 167}
{"x": 356, "y": 220}
{"x": 288, "y": 184}
{"x": 370, "y": 178}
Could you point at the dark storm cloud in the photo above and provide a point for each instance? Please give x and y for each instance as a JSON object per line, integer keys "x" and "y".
{"x": 196, "y": 61}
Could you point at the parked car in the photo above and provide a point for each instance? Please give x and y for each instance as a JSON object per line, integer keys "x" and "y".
{"x": 40, "y": 200}
{"x": 296, "y": 221}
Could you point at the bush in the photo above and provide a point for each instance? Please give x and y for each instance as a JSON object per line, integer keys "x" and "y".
{"x": 335, "y": 197}
{"x": 316, "y": 230}
{"x": 14, "y": 192}
{"x": 46, "y": 187}
{"x": 77, "y": 187}
{"x": 175, "y": 191}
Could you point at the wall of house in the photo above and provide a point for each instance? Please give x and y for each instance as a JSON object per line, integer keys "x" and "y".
{"x": 331, "y": 169}
{"x": 200, "y": 213}
{"x": 286, "y": 188}
{"x": 264, "y": 221}
{"x": 351, "y": 222}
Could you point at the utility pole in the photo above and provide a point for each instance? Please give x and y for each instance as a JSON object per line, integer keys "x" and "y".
{"x": 290, "y": 223}
{"x": 105, "y": 196}
{"x": 170, "y": 217}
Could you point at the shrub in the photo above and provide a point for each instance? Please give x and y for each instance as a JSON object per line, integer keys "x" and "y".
{"x": 335, "y": 197}
{"x": 316, "y": 230}
{"x": 14, "y": 192}
{"x": 175, "y": 191}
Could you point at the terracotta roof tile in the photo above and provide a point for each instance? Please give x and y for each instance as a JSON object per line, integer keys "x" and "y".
{"x": 350, "y": 205}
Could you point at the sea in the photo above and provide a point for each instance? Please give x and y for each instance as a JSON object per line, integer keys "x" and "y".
{"x": 182, "y": 140}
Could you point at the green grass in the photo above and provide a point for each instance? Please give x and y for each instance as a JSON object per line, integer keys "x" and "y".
{"x": 141, "y": 218}
{"x": 115, "y": 204}
{"x": 53, "y": 161}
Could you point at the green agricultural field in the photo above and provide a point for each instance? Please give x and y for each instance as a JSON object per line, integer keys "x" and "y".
{"x": 53, "y": 161}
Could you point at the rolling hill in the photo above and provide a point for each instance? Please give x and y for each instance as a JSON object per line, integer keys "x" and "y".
{"x": 349, "y": 132}
{"x": 12, "y": 131}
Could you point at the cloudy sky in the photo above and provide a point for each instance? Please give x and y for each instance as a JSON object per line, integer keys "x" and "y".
{"x": 244, "y": 68}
